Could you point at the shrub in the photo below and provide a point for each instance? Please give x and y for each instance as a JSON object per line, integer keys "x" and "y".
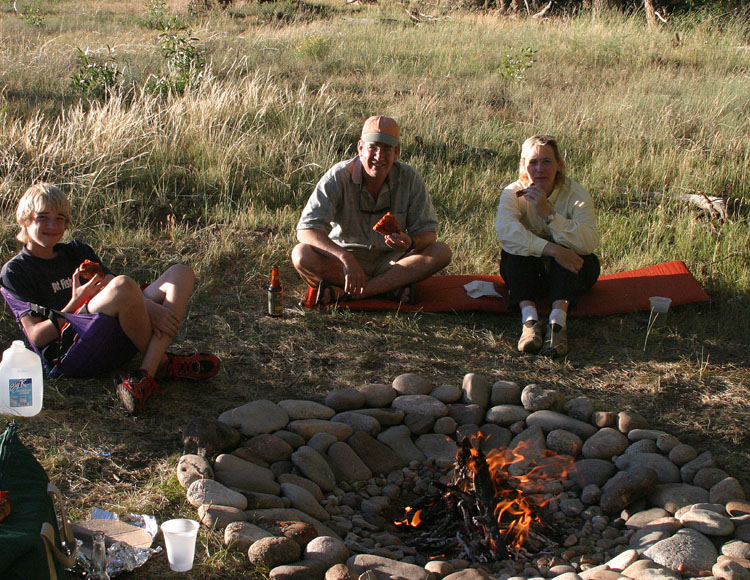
{"x": 95, "y": 79}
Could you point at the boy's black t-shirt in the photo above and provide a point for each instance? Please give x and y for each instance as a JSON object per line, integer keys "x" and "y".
{"x": 46, "y": 282}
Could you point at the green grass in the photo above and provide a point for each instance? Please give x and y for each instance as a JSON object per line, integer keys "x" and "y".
{"x": 217, "y": 178}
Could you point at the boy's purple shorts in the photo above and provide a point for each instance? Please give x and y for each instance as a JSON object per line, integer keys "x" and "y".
{"x": 101, "y": 345}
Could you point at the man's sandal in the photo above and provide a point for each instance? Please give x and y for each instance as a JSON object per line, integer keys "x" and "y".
{"x": 327, "y": 294}
{"x": 405, "y": 295}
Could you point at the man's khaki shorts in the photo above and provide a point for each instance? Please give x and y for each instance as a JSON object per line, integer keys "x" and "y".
{"x": 375, "y": 262}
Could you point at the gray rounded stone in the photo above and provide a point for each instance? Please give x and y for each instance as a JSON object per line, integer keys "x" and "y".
{"x": 564, "y": 442}
{"x": 687, "y": 549}
{"x": 272, "y": 552}
{"x": 359, "y": 422}
{"x": 346, "y": 464}
{"x": 328, "y": 550}
{"x": 436, "y": 446}
{"x": 378, "y": 396}
{"x": 668, "y": 472}
{"x": 682, "y": 454}
{"x": 420, "y": 404}
{"x": 445, "y": 426}
{"x": 580, "y": 408}
{"x": 234, "y": 471}
{"x": 193, "y": 467}
{"x": 386, "y": 568}
{"x": 447, "y": 393}
{"x": 269, "y": 447}
{"x": 627, "y": 421}
{"x": 322, "y": 441}
{"x": 588, "y": 471}
{"x": 736, "y": 549}
{"x": 708, "y": 477}
{"x": 241, "y": 535}
{"x": 604, "y": 444}
{"x": 505, "y": 393}
{"x": 666, "y": 442}
{"x": 604, "y": 419}
{"x": 314, "y": 467}
{"x": 399, "y": 439}
{"x": 345, "y": 399}
{"x": 539, "y": 398}
{"x": 304, "y": 501}
{"x": 645, "y": 517}
{"x": 386, "y": 417}
{"x": 652, "y": 533}
{"x": 256, "y": 417}
{"x": 476, "y": 390}
{"x": 551, "y": 420}
{"x": 301, "y": 409}
{"x": 301, "y": 570}
{"x": 726, "y": 490}
{"x": 643, "y": 446}
{"x": 464, "y": 414}
{"x": 412, "y": 384}
{"x": 308, "y": 484}
{"x": 728, "y": 569}
{"x": 380, "y": 458}
{"x": 707, "y": 522}
{"x": 506, "y": 415}
{"x": 673, "y": 496}
{"x": 626, "y": 487}
{"x": 688, "y": 471}
{"x": 210, "y": 492}
{"x": 218, "y": 517}
{"x": 309, "y": 427}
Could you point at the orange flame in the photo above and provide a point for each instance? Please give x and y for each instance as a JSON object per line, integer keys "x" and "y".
{"x": 519, "y": 495}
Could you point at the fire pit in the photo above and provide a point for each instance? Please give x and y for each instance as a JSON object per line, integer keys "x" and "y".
{"x": 489, "y": 480}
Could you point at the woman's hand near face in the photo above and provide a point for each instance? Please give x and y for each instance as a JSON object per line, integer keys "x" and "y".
{"x": 536, "y": 196}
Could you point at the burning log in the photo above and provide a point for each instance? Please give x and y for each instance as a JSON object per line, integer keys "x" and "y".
{"x": 484, "y": 513}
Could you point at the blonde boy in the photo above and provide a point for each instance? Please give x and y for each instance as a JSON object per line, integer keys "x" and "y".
{"x": 45, "y": 272}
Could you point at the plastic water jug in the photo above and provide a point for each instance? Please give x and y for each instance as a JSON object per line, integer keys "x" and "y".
{"x": 21, "y": 386}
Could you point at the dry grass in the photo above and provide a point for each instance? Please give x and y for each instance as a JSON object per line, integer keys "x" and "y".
{"x": 217, "y": 178}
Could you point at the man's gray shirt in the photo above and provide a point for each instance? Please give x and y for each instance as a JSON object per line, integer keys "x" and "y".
{"x": 343, "y": 208}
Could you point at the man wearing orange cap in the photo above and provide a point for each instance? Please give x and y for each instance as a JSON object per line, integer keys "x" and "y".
{"x": 338, "y": 251}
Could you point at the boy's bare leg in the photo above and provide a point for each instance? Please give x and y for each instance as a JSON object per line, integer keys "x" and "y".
{"x": 172, "y": 290}
{"x": 123, "y": 299}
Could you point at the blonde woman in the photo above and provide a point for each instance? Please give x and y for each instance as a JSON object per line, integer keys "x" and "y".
{"x": 546, "y": 223}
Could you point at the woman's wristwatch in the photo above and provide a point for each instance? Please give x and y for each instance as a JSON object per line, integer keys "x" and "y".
{"x": 550, "y": 217}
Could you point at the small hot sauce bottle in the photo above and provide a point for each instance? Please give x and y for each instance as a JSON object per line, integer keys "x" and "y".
{"x": 275, "y": 294}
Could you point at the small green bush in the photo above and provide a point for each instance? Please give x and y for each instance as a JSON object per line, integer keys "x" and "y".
{"x": 95, "y": 79}
{"x": 186, "y": 64}
{"x": 514, "y": 65}
{"x": 158, "y": 17}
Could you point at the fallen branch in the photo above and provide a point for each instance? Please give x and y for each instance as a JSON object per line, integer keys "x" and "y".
{"x": 544, "y": 10}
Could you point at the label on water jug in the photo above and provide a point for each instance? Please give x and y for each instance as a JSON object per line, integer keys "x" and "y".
{"x": 20, "y": 392}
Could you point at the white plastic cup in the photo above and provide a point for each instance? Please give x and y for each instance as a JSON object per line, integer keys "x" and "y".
{"x": 179, "y": 538}
{"x": 660, "y": 304}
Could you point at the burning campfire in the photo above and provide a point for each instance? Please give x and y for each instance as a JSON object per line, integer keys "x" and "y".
{"x": 490, "y": 509}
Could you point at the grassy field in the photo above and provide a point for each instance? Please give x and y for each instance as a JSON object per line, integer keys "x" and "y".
{"x": 275, "y": 93}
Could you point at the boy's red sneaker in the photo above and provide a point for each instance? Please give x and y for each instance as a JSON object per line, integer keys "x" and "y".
{"x": 195, "y": 366}
{"x": 133, "y": 389}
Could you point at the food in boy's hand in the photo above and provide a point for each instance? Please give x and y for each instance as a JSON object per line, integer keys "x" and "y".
{"x": 5, "y": 508}
{"x": 387, "y": 225}
{"x": 89, "y": 269}
{"x": 521, "y": 192}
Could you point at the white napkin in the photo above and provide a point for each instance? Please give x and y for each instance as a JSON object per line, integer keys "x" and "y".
{"x": 479, "y": 288}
